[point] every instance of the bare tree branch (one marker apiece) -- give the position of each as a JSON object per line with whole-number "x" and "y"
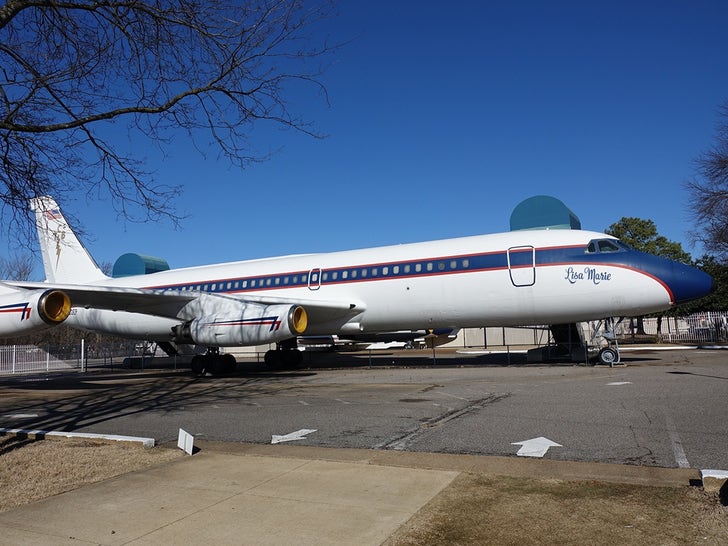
{"x": 69, "y": 71}
{"x": 709, "y": 192}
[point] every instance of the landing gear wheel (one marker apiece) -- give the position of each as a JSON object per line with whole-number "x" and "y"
{"x": 273, "y": 359}
{"x": 283, "y": 359}
{"x": 292, "y": 359}
{"x": 607, "y": 356}
{"x": 229, "y": 363}
{"x": 198, "y": 364}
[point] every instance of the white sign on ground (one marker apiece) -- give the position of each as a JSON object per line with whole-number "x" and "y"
{"x": 185, "y": 441}
{"x": 535, "y": 447}
{"x": 298, "y": 435}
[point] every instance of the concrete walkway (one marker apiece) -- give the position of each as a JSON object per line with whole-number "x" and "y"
{"x": 255, "y": 494}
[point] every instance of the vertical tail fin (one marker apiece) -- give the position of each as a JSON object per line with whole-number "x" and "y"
{"x": 65, "y": 259}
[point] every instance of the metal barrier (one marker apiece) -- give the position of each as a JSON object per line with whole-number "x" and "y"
{"x": 31, "y": 358}
{"x": 19, "y": 359}
{"x": 699, "y": 328}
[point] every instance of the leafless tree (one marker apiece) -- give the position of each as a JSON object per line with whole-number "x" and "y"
{"x": 709, "y": 192}
{"x": 75, "y": 75}
{"x": 17, "y": 268}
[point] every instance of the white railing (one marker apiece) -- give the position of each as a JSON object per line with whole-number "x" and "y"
{"x": 32, "y": 358}
{"x": 19, "y": 359}
{"x": 708, "y": 327}
{"x": 699, "y": 328}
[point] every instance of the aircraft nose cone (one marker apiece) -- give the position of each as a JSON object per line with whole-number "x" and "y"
{"x": 688, "y": 283}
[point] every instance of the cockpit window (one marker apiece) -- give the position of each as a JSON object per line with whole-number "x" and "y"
{"x": 603, "y": 245}
{"x": 608, "y": 246}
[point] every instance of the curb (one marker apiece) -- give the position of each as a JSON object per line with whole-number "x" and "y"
{"x": 40, "y": 434}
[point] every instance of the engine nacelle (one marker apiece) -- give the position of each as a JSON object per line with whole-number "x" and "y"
{"x": 249, "y": 324}
{"x": 123, "y": 324}
{"x": 24, "y": 312}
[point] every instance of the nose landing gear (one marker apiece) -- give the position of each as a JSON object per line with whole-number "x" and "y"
{"x": 609, "y": 355}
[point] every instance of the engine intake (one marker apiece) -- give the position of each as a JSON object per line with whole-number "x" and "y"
{"x": 25, "y": 312}
{"x": 54, "y": 306}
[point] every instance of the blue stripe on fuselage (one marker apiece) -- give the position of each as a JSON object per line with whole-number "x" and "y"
{"x": 681, "y": 281}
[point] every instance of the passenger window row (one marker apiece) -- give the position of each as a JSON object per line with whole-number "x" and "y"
{"x": 331, "y": 276}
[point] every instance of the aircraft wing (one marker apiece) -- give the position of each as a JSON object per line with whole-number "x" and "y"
{"x": 170, "y": 303}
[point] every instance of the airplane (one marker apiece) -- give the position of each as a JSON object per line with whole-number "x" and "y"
{"x": 516, "y": 278}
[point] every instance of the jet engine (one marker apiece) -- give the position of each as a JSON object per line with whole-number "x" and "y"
{"x": 25, "y": 312}
{"x": 247, "y": 324}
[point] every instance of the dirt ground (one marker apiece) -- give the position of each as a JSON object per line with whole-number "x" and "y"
{"x": 474, "y": 509}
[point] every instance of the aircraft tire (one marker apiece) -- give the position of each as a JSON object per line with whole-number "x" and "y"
{"x": 229, "y": 363}
{"x": 292, "y": 359}
{"x": 607, "y": 356}
{"x": 215, "y": 365}
{"x": 273, "y": 359}
{"x": 198, "y": 364}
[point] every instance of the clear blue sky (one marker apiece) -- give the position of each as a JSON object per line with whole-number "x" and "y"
{"x": 443, "y": 117}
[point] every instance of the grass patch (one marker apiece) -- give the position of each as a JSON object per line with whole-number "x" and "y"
{"x": 477, "y": 509}
{"x": 35, "y": 469}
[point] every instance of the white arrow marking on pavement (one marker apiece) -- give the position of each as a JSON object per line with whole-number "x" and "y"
{"x": 298, "y": 435}
{"x": 535, "y": 447}
{"x": 617, "y": 383}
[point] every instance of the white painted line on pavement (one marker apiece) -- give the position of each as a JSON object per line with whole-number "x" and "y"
{"x": 677, "y": 447}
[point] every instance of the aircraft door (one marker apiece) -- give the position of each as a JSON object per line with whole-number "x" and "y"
{"x": 314, "y": 279}
{"x": 522, "y": 265}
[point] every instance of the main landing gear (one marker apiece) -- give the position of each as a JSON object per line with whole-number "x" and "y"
{"x": 213, "y": 362}
{"x": 285, "y": 356}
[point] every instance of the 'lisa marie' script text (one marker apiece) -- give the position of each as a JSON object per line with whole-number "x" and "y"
{"x": 588, "y": 274}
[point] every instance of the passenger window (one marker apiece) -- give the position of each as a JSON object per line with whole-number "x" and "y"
{"x": 430, "y": 267}
{"x": 385, "y": 271}
{"x": 344, "y": 274}
{"x": 418, "y": 268}
{"x": 375, "y": 271}
{"x": 453, "y": 264}
{"x": 407, "y": 268}
{"x": 466, "y": 263}
{"x": 395, "y": 270}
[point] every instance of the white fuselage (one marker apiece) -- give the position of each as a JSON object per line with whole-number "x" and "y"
{"x": 486, "y": 280}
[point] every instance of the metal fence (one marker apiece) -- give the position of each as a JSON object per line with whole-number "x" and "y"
{"x": 699, "y": 328}
{"x": 19, "y": 359}
{"x": 708, "y": 327}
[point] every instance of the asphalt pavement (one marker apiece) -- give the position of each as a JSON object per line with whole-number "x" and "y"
{"x": 365, "y": 444}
